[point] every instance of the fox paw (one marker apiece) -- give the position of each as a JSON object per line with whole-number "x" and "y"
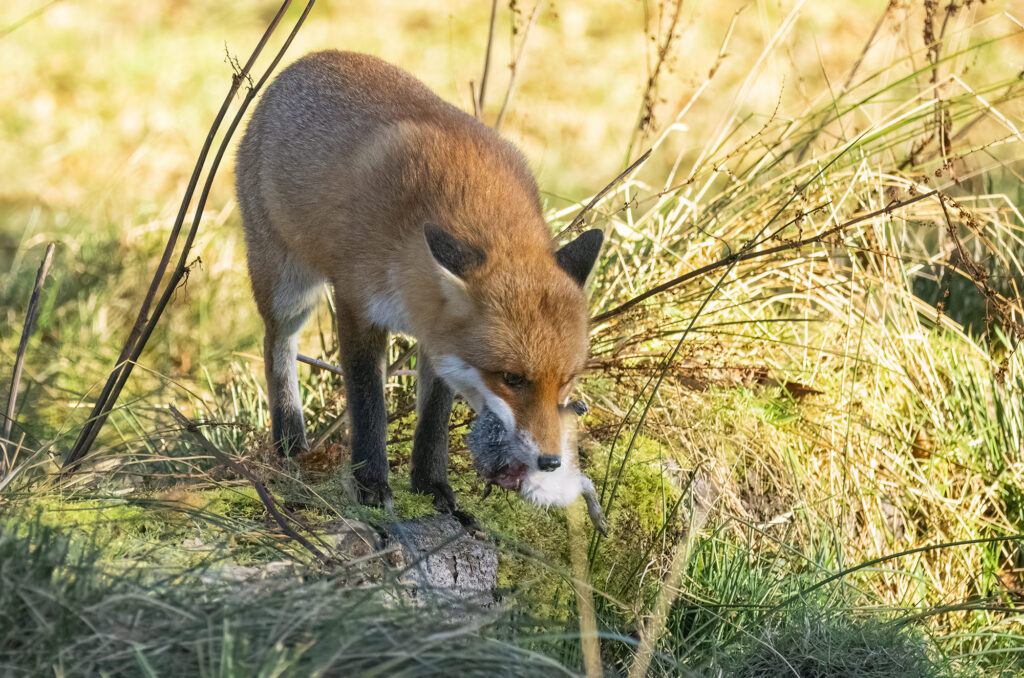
{"x": 375, "y": 494}
{"x": 444, "y": 498}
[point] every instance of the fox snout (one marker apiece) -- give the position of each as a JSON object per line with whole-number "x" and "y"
{"x": 548, "y": 462}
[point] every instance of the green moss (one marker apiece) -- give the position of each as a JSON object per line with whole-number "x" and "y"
{"x": 233, "y": 502}
{"x": 120, "y": 527}
{"x": 179, "y": 528}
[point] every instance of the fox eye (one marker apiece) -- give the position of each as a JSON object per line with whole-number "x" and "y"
{"x": 513, "y": 380}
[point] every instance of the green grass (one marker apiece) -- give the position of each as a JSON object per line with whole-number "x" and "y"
{"x": 757, "y": 434}
{"x": 63, "y": 609}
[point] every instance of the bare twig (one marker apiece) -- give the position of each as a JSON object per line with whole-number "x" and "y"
{"x": 320, "y": 364}
{"x": 646, "y": 115}
{"x": 514, "y": 67}
{"x": 268, "y": 501}
{"x": 19, "y": 361}
{"x": 478, "y": 101}
{"x": 748, "y": 253}
{"x": 146, "y": 322}
{"x": 577, "y": 222}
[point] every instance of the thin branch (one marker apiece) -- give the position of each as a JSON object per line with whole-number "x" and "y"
{"x": 320, "y": 364}
{"x": 145, "y": 323}
{"x": 268, "y": 500}
{"x": 19, "y": 361}
{"x": 517, "y": 61}
{"x": 578, "y": 220}
{"x": 478, "y": 101}
{"x": 748, "y": 253}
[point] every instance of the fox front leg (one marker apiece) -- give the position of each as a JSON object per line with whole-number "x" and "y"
{"x": 430, "y": 442}
{"x": 363, "y": 350}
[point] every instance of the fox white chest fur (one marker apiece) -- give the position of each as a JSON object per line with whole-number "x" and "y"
{"x": 353, "y": 174}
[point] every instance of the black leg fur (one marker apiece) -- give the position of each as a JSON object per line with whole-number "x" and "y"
{"x": 287, "y": 427}
{"x": 288, "y": 430}
{"x": 430, "y": 442}
{"x": 363, "y": 352}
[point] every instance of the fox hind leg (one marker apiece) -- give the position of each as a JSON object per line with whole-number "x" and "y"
{"x": 430, "y": 442}
{"x": 286, "y": 292}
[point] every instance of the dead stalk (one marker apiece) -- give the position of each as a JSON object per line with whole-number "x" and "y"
{"x": 646, "y": 116}
{"x": 478, "y": 101}
{"x": 19, "y": 361}
{"x": 577, "y": 222}
{"x": 516, "y": 64}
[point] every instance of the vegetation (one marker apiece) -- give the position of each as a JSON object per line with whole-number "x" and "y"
{"x": 806, "y": 388}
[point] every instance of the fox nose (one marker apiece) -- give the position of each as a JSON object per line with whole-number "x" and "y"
{"x": 548, "y": 462}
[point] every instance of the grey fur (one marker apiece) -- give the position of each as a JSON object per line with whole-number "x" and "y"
{"x": 594, "y": 508}
{"x": 494, "y": 447}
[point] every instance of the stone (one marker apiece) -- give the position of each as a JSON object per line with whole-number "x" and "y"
{"x": 442, "y": 559}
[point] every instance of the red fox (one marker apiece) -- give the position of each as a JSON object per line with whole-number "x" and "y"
{"x": 353, "y": 173}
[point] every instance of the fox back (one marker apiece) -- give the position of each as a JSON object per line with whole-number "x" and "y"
{"x": 425, "y": 222}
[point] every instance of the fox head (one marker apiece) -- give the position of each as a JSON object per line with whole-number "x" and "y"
{"x": 515, "y": 339}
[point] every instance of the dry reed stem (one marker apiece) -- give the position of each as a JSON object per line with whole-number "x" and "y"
{"x": 589, "y": 639}
{"x": 19, "y": 361}
{"x": 478, "y": 101}
{"x": 576, "y": 224}
{"x": 517, "y": 63}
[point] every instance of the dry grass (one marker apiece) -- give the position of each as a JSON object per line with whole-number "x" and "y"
{"x": 838, "y": 414}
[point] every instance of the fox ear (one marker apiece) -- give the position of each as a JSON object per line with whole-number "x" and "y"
{"x": 578, "y": 257}
{"x": 454, "y": 255}
{"x": 454, "y": 259}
